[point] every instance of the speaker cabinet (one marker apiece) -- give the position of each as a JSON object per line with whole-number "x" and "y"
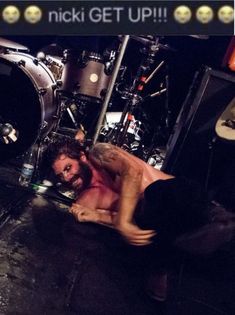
{"x": 193, "y": 150}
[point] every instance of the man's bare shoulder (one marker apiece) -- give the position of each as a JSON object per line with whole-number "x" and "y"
{"x": 102, "y": 153}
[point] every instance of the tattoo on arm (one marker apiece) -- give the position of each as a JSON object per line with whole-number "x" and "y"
{"x": 104, "y": 153}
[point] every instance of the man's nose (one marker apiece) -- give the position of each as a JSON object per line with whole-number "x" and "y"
{"x": 67, "y": 176}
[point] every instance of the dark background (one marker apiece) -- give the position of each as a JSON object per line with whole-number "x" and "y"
{"x": 188, "y": 56}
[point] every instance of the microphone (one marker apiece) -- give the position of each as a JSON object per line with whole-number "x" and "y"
{"x": 8, "y": 134}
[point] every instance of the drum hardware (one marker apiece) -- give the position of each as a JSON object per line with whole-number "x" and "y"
{"x": 58, "y": 84}
{"x": 44, "y": 124}
{"x": 8, "y": 44}
{"x": 158, "y": 93}
{"x": 109, "y": 63}
{"x": 54, "y": 63}
{"x": 41, "y": 56}
{"x": 203, "y": 37}
{"x": 42, "y": 91}
{"x": 134, "y": 133}
{"x": 86, "y": 56}
{"x": 72, "y": 117}
{"x": 156, "y": 158}
{"x": 54, "y": 86}
{"x": 120, "y": 134}
{"x": 35, "y": 61}
{"x": 151, "y": 41}
{"x": 113, "y": 78}
{"x": 8, "y": 134}
{"x": 21, "y": 63}
{"x": 134, "y": 99}
{"x": 66, "y": 104}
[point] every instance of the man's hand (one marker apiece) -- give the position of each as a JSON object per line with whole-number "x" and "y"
{"x": 83, "y": 214}
{"x": 134, "y": 235}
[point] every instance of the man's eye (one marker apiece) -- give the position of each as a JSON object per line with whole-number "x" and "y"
{"x": 68, "y": 167}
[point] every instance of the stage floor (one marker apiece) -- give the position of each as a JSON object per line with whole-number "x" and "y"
{"x": 52, "y": 265}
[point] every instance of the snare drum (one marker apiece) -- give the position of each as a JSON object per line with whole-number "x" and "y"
{"x": 84, "y": 76}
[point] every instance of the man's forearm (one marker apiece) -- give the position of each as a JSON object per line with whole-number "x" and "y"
{"x": 105, "y": 217}
{"x": 99, "y": 216}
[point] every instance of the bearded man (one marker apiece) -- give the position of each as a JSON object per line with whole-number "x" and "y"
{"x": 148, "y": 207}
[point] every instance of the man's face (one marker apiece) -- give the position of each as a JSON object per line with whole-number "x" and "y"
{"x": 75, "y": 173}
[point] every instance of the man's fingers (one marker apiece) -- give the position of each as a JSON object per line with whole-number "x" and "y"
{"x": 141, "y": 243}
{"x": 74, "y": 207}
{"x": 79, "y": 214}
{"x": 136, "y": 236}
{"x": 140, "y": 240}
{"x": 143, "y": 232}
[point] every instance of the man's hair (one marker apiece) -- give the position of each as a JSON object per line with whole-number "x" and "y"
{"x": 65, "y": 145}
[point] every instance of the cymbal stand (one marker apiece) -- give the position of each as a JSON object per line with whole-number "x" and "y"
{"x": 133, "y": 96}
{"x": 116, "y": 69}
{"x": 163, "y": 129}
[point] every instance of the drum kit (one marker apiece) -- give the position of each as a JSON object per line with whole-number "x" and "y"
{"x": 36, "y": 92}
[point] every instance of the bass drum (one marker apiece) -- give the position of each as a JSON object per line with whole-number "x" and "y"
{"x": 27, "y": 100}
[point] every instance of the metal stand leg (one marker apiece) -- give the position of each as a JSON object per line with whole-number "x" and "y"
{"x": 110, "y": 87}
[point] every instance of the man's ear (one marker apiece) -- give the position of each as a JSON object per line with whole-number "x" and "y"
{"x": 83, "y": 157}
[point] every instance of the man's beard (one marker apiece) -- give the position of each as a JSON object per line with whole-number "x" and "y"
{"x": 85, "y": 174}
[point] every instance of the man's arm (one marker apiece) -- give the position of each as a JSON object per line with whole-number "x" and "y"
{"x": 99, "y": 216}
{"x": 118, "y": 162}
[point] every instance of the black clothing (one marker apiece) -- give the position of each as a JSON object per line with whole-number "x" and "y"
{"x": 172, "y": 207}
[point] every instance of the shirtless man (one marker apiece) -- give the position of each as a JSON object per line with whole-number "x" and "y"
{"x": 110, "y": 183}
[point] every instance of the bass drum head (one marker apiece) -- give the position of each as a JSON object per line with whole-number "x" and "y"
{"x": 21, "y": 104}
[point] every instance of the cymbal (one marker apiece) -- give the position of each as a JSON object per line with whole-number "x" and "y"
{"x": 6, "y": 43}
{"x": 225, "y": 126}
{"x": 150, "y": 40}
{"x": 200, "y": 36}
